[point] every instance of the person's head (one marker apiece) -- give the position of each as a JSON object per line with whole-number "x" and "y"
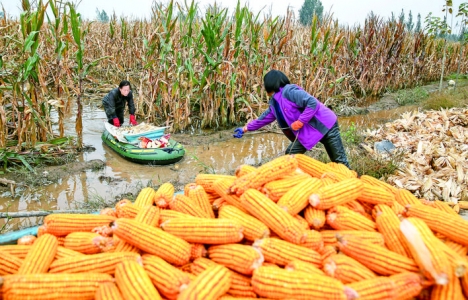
{"x": 125, "y": 87}
{"x": 274, "y": 80}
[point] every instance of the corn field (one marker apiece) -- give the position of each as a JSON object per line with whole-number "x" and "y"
{"x": 190, "y": 69}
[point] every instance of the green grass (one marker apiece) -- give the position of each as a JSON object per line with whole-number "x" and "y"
{"x": 411, "y": 96}
{"x": 456, "y": 97}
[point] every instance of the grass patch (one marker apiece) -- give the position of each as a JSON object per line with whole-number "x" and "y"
{"x": 411, "y": 96}
{"x": 456, "y": 97}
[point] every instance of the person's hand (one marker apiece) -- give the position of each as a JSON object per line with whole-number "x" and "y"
{"x": 116, "y": 122}
{"x": 297, "y": 125}
{"x": 238, "y": 132}
{"x": 133, "y": 120}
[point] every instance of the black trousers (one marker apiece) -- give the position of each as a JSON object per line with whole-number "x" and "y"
{"x": 120, "y": 115}
{"x": 331, "y": 141}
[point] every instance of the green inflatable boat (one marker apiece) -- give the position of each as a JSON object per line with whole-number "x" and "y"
{"x": 153, "y": 156}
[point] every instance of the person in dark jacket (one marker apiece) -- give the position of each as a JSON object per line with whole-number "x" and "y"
{"x": 115, "y": 102}
{"x": 303, "y": 119}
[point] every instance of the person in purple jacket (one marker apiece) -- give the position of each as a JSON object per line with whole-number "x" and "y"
{"x": 303, "y": 119}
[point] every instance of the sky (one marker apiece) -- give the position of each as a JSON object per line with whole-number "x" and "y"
{"x": 350, "y": 12}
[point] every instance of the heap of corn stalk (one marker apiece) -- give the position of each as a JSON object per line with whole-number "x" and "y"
{"x": 293, "y": 228}
{"x": 435, "y": 148}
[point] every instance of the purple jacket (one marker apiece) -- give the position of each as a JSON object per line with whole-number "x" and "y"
{"x": 297, "y": 104}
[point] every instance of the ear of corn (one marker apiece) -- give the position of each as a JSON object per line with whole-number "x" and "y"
{"x": 310, "y": 165}
{"x": 330, "y": 236}
{"x": 282, "y": 252}
{"x": 464, "y": 284}
{"x": 19, "y": 251}
{"x": 222, "y": 189}
{"x": 377, "y": 288}
{"x": 126, "y": 209}
{"x": 244, "y": 169}
{"x": 405, "y": 197}
{"x": 297, "y": 198}
{"x": 148, "y": 215}
{"x": 240, "y": 258}
{"x": 359, "y": 208}
{"x": 460, "y": 249}
{"x": 169, "y": 280}
{"x": 278, "y": 220}
{"x": 451, "y": 290}
{"x": 167, "y": 214}
{"x": 315, "y": 217}
{"x": 408, "y": 285}
{"x": 199, "y": 197}
{"x": 342, "y": 218}
{"x": 346, "y": 269}
{"x": 443, "y": 206}
{"x": 302, "y": 266}
{"x": 278, "y": 283}
{"x": 313, "y": 240}
{"x": 95, "y": 263}
{"x": 123, "y": 246}
{"x": 207, "y": 181}
{"x": 53, "y": 286}
{"x": 145, "y": 197}
{"x": 9, "y": 264}
{"x": 205, "y": 231}
{"x": 108, "y": 291}
{"x": 327, "y": 251}
{"x": 335, "y": 194}
{"x": 376, "y": 182}
{"x": 218, "y": 203}
{"x": 212, "y": 283}
{"x": 198, "y": 250}
{"x": 134, "y": 282}
{"x": 63, "y": 252}
{"x": 272, "y": 170}
{"x": 277, "y": 188}
{"x": 153, "y": 241}
{"x": 63, "y": 224}
{"x": 302, "y": 221}
{"x": 87, "y": 242}
{"x": 253, "y": 228}
{"x": 164, "y": 195}
{"x": 186, "y": 205}
{"x": 40, "y": 256}
{"x": 376, "y": 195}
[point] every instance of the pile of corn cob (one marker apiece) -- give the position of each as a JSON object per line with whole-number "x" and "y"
{"x": 293, "y": 228}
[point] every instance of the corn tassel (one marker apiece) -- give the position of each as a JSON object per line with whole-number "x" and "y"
{"x": 53, "y": 286}
{"x": 186, "y": 205}
{"x": 240, "y": 258}
{"x": 278, "y": 283}
{"x": 310, "y": 165}
{"x": 378, "y": 259}
{"x": 282, "y": 252}
{"x": 9, "y": 264}
{"x": 335, "y": 194}
{"x": 315, "y": 217}
{"x": 153, "y": 241}
{"x": 207, "y": 181}
{"x": 275, "y": 169}
{"x": 40, "y": 256}
{"x": 346, "y": 269}
{"x": 205, "y": 231}
{"x": 279, "y": 221}
{"x": 342, "y": 218}
{"x": 253, "y": 228}
{"x": 96, "y": 263}
{"x": 408, "y": 285}
{"x": 145, "y": 197}
{"x": 302, "y": 266}
{"x": 199, "y": 197}
{"x": 277, "y": 188}
{"x": 377, "y": 288}
{"x": 164, "y": 195}
{"x": 63, "y": 224}
{"x": 297, "y": 198}
{"x": 108, "y": 291}
{"x": 169, "y": 280}
{"x": 134, "y": 282}
{"x": 212, "y": 283}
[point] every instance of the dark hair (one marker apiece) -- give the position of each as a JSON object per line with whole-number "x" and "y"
{"x": 274, "y": 80}
{"x": 124, "y": 83}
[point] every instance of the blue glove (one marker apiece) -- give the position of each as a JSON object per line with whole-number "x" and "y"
{"x": 238, "y": 132}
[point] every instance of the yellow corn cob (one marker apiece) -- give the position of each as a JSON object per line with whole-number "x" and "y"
{"x": 169, "y": 280}
{"x": 359, "y": 208}
{"x": 205, "y": 231}
{"x": 253, "y": 228}
{"x": 198, "y": 250}
{"x": 342, "y": 218}
{"x": 340, "y": 169}
{"x": 315, "y": 217}
{"x": 186, "y": 205}
{"x": 218, "y": 203}
{"x": 207, "y": 181}
{"x": 134, "y": 282}
{"x": 108, "y": 211}
{"x": 398, "y": 209}
{"x": 458, "y": 262}
{"x": 212, "y": 283}
{"x": 405, "y": 197}
{"x": 389, "y": 225}
{"x": 310, "y": 165}
{"x": 452, "y": 290}
{"x": 108, "y": 291}
{"x": 330, "y": 236}
{"x": 240, "y": 258}
{"x": 302, "y": 266}
{"x": 40, "y": 256}
{"x": 95, "y": 263}
{"x": 123, "y": 246}
{"x": 441, "y": 222}
{"x": 63, "y": 252}
{"x": 313, "y": 240}
{"x": 153, "y": 241}
{"x": 282, "y": 252}
{"x": 336, "y": 194}
{"x": 244, "y": 169}
{"x": 63, "y": 224}
{"x": 302, "y": 221}
{"x": 275, "y": 169}
{"x": 297, "y": 198}
{"x": 377, "y": 288}
{"x": 346, "y": 269}
{"x": 53, "y": 286}
{"x": 279, "y": 221}
{"x": 376, "y": 258}
{"x": 278, "y": 283}
{"x": 374, "y": 194}
{"x": 334, "y": 176}
{"x": 188, "y": 186}
{"x": 87, "y": 242}
{"x": 9, "y": 264}
{"x": 460, "y": 249}
{"x": 408, "y": 285}
{"x": 327, "y": 251}
{"x": 148, "y": 215}
{"x": 443, "y": 206}
{"x": 126, "y": 209}
{"x": 145, "y": 197}
{"x": 277, "y": 188}
{"x": 164, "y": 195}
{"x": 327, "y": 181}
{"x": 464, "y": 284}
{"x": 20, "y": 251}
{"x": 222, "y": 189}
{"x": 41, "y": 230}
{"x": 167, "y": 214}
{"x": 376, "y": 182}
{"x": 199, "y": 197}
